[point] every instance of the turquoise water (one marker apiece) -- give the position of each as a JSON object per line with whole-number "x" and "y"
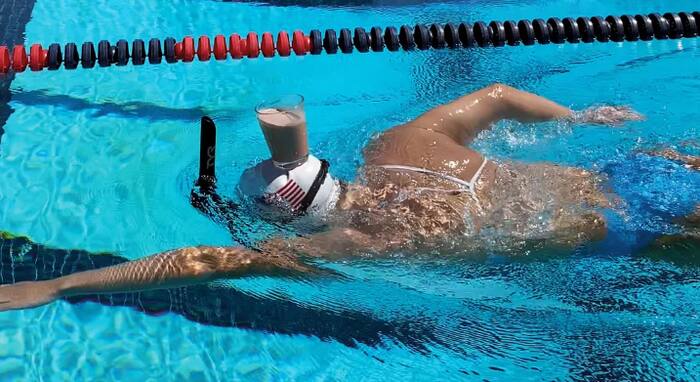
{"x": 103, "y": 160}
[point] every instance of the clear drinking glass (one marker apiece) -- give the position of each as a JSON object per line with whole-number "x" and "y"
{"x": 283, "y": 123}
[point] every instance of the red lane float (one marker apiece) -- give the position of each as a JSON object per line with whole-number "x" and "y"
{"x": 36, "y": 58}
{"x": 19, "y": 58}
{"x": 220, "y": 50}
{"x": 187, "y": 49}
{"x": 244, "y": 47}
{"x": 178, "y": 51}
{"x": 283, "y": 47}
{"x": 234, "y": 45}
{"x": 4, "y": 59}
{"x": 299, "y": 43}
{"x": 203, "y": 49}
{"x": 268, "y": 45}
{"x": 253, "y": 45}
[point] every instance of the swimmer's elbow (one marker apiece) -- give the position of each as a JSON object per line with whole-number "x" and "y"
{"x": 500, "y": 100}
{"x": 498, "y": 88}
{"x": 215, "y": 262}
{"x": 208, "y": 263}
{"x": 501, "y": 94}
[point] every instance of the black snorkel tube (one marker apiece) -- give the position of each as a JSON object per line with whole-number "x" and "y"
{"x": 204, "y": 196}
{"x": 207, "y": 154}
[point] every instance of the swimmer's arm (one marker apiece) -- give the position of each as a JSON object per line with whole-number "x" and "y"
{"x": 464, "y": 118}
{"x": 177, "y": 268}
{"x": 193, "y": 265}
{"x": 339, "y": 243}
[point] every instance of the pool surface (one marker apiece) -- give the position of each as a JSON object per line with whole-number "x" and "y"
{"x": 103, "y": 161}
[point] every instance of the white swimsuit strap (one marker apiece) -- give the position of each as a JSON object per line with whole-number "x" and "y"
{"x": 471, "y": 185}
{"x": 477, "y": 175}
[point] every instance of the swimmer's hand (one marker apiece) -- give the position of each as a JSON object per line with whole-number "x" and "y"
{"x": 689, "y": 161}
{"x": 28, "y": 294}
{"x": 606, "y": 115}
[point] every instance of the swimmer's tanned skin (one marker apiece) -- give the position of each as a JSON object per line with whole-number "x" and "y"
{"x": 387, "y": 211}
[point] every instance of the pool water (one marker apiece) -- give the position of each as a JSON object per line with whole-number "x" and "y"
{"x": 103, "y": 160}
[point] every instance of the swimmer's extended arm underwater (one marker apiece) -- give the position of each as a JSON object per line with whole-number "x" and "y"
{"x": 172, "y": 269}
{"x": 194, "y": 265}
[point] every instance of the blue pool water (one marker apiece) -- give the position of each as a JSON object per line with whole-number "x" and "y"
{"x": 103, "y": 160}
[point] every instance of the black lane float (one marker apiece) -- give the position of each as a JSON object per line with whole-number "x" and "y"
{"x": 422, "y": 37}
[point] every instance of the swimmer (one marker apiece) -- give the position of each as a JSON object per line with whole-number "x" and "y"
{"x": 422, "y": 189}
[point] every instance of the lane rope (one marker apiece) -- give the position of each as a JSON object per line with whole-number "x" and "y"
{"x": 421, "y": 37}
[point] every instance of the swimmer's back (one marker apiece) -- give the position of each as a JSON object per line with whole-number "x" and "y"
{"x": 408, "y": 145}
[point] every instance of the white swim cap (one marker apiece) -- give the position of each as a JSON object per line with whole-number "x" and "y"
{"x": 307, "y": 188}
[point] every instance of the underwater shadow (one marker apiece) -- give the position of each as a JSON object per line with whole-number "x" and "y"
{"x": 141, "y": 110}
{"x": 23, "y": 260}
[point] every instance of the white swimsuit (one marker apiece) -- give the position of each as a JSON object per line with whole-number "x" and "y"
{"x": 464, "y": 185}
{"x": 467, "y": 186}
